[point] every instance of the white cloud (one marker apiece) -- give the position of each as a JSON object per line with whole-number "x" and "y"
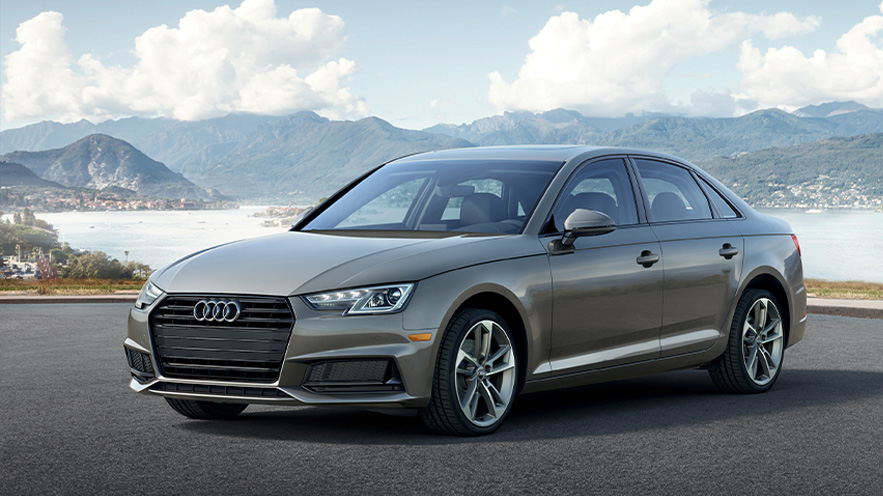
{"x": 616, "y": 62}
{"x": 787, "y": 78}
{"x": 229, "y": 60}
{"x": 39, "y": 77}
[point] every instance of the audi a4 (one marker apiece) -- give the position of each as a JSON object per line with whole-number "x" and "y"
{"x": 447, "y": 283}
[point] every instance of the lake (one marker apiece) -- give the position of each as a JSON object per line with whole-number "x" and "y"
{"x": 837, "y": 245}
{"x": 156, "y": 237}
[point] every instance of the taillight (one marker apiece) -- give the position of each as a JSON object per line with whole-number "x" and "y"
{"x": 796, "y": 244}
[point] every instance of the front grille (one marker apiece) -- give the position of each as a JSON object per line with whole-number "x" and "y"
{"x": 353, "y": 376}
{"x": 219, "y": 390}
{"x": 139, "y": 364}
{"x": 249, "y": 349}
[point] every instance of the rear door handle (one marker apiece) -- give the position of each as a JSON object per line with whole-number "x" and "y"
{"x": 647, "y": 258}
{"x": 728, "y": 251}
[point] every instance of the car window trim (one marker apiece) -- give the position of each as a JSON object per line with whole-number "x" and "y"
{"x": 646, "y": 200}
{"x": 574, "y": 172}
{"x": 706, "y": 186}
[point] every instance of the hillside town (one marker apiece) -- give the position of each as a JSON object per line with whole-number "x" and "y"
{"x": 88, "y": 200}
{"x": 813, "y": 196}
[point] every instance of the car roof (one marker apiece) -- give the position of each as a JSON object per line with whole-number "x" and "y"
{"x": 556, "y": 153}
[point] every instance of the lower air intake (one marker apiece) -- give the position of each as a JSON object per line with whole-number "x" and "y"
{"x": 250, "y": 392}
{"x": 353, "y": 376}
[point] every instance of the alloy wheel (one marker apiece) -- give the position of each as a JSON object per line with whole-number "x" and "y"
{"x": 484, "y": 373}
{"x": 763, "y": 339}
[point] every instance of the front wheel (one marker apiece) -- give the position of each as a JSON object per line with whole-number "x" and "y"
{"x": 753, "y": 358}
{"x": 206, "y": 410}
{"x": 476, "y": 376}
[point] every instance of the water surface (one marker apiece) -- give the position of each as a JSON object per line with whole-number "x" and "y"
{"x": 837, "y": 245}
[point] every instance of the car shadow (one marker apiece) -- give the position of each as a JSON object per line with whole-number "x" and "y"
{"x": 648, "y": 403}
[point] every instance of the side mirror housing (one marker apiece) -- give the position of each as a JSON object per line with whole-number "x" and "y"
{"x": 584, "y": 222}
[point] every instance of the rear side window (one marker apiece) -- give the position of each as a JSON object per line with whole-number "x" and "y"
{"x": 672, "y": 191}
{"x": 726, "y": 211}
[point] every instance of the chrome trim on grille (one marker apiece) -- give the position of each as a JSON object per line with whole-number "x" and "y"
{"x": 249, "y": 349}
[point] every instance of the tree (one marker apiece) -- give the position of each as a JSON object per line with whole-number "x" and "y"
{"x": 139, "y": 270}
{"x": 12, "y": 235}
{"x": 99, "y": 265}
{"x": 27, "y": 217}
{"x": 96, "y": 264}
{"x": 58, "y": 256}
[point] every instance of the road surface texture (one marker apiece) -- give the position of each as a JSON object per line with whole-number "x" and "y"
{"x": 71, "y": 426}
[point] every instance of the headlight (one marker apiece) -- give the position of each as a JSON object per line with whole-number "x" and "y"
{"x": 149, "y": 293}
{"x": 380, "y": 299}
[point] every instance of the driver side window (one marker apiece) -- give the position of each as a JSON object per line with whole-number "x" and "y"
{"x": 603, "y": 186}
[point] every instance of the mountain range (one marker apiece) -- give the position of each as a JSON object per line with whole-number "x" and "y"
{"x": 99, "y": 161}
{"x": 837, "y": 172}
{"x": 303, "y": 156}
{"x": 693, "y": 138}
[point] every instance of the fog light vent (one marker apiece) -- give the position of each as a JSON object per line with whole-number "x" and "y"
{"x": 140, "y": 365}
{"x": 353, "y": 376}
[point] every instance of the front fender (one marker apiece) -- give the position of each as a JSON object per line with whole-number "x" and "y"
{"x": 525, "y": 282}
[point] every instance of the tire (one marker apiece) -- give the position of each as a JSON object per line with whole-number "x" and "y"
{"x": 473, "y": 389}
{"x": 753, "y": 359}
{"x": 206, "y": 410}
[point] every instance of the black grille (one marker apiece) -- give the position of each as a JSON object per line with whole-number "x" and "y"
{"x": 353, "y": 376}
{"x": 139, "y": 363}
{"x": 219, "y": 390}
{"x": 249, "y": 349}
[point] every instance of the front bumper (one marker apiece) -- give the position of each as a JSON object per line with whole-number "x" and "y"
{"x": 316, "y": 337}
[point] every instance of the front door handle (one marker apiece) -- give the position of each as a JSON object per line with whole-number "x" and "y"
{"x": 728, "y": 251}
{"x": 647, "y": 258}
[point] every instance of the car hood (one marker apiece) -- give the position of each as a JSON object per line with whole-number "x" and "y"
{"x": 305, "y": 262}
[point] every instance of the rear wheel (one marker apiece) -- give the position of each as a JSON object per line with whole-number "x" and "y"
{"x": 475, "y": 376}
{"x": 753, "y": 358}
{"x": 206, "y": 410}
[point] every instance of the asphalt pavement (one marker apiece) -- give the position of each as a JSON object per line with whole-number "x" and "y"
{"x": 70, "y": 425}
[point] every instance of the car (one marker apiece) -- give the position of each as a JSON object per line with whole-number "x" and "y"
{"x": 445, "y": 284}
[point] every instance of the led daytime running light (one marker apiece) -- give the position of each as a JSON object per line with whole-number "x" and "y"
{"x": 381, "y": 299}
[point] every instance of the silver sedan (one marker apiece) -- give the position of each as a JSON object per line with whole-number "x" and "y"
{"x": 447, "y": 283}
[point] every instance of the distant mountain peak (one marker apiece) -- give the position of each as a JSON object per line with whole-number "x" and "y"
{"x": 100, "y": 161}
{"x": 829, "y": 109}
{"x": 13, "y": 174}
{"x": 560, "y": 115}
{"x": 306, "y": 116}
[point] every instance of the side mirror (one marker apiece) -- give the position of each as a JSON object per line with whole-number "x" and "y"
{"x": 584, "y": 222}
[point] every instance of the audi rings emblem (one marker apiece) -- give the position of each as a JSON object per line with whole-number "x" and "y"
{"x": 216, "y": 310}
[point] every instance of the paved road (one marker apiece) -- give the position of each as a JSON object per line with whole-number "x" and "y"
{"x": 70, "y": 426}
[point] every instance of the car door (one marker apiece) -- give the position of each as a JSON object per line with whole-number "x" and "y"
{"x": 701, "y": 256}
{"x": 607, "y": 306}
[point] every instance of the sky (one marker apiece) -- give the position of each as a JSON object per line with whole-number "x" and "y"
{"x": 416, "y": 64}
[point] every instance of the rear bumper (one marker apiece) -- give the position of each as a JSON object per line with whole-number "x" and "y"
{"x": 798, "y": 310}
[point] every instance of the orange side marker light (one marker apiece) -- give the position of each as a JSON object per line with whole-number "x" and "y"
{"x": 426, "y": 336}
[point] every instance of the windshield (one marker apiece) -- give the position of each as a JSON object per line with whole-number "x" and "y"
{"x": 475, "y": 196}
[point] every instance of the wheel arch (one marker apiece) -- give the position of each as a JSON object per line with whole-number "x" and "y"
{"x": 768, "y": 281}
{"x": 496, "y": 302}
